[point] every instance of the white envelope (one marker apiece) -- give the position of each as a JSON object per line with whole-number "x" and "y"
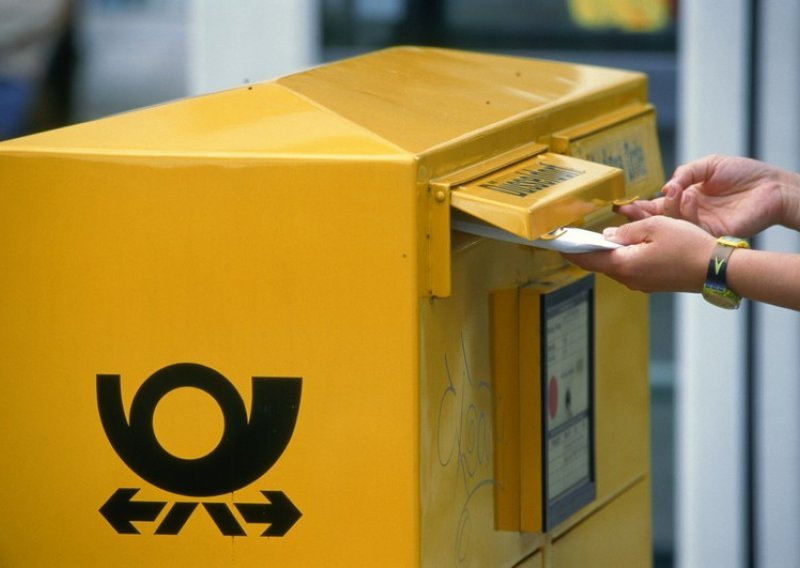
{"x": 564, "y": 239}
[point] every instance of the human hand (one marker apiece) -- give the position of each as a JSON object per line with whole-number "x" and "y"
{"x": 662, "y": 255}
{"x": 726, "y": 196}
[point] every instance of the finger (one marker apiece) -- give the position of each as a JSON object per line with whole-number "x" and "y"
{"x": 689, "y": 207}
{"x": 653, "y": 206}
{"x": 631, "y": 233}
{"x": 591, "y": 261}
{"x": 637, "y": 210}
{"x": 689, "y": 174}
{"x": 684, "y": 178}
{"x": 672, "y": 199}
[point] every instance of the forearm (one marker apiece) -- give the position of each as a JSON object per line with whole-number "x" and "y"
{"x": 769, "y": 277}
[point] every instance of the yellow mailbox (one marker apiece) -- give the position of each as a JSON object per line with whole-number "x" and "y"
{"x": 241, "y": 330}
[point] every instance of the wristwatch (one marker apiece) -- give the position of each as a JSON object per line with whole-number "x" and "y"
{"x": 715, "y": 289}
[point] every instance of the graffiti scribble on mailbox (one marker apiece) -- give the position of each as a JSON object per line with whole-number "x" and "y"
{"x": 463, "y": 440}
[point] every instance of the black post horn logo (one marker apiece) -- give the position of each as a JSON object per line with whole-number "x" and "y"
{"x": 247, "y": 450}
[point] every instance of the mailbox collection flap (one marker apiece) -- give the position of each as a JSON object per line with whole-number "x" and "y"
{"x": 536, "y": 195}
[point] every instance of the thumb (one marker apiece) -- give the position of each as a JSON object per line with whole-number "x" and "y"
{"x": 631, "y": 233}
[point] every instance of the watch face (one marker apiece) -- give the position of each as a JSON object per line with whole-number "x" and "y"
{"x": 734, "y": 242}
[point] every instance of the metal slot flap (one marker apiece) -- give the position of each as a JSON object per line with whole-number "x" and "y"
{"x": 539, "y": 194}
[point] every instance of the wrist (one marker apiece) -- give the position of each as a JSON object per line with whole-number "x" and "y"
{"x": 701, "y": 259}
{"x": 789, "y": 189}
{"x": 716, "y": 288}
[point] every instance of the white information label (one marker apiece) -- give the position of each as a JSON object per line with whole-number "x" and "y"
{"x": 568, "y": 395}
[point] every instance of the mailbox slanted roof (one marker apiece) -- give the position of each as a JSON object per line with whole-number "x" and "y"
{"x": 422, "y": 98}
{"x": 394, "y": 102}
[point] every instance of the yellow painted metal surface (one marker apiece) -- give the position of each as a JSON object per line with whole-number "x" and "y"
{"x": 253, "y": 121}
{"x": 598, "y": 540}
{"x": 633, "y": 145}
{"x": 398, "y": 95}
{"x": 122, "y": 268}
{"x": 504, "y": 314}
{"x": 460, "y": 402}
{"x": 457, "y": 401}
{"x": 281, "y": 255}
{"x": 534, "y": 561}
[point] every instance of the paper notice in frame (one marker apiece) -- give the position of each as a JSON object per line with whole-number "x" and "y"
{"x": 553, "y": 400}
{"x": 567, "y": 376}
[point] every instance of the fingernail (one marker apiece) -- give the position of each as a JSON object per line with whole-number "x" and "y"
{"x": 609, "y": 232}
